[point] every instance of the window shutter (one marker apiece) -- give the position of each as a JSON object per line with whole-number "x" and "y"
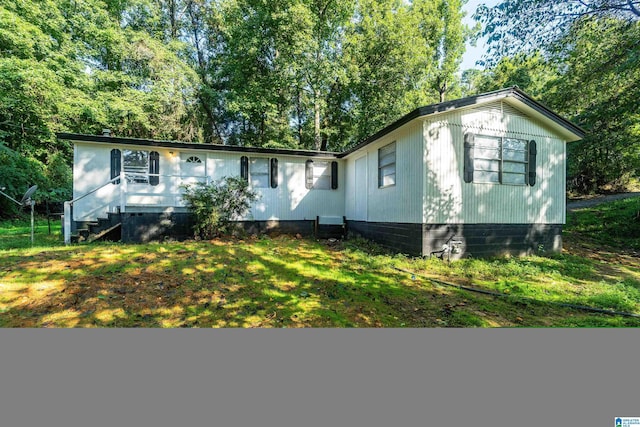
{"x": 116, "y": 164}
{"x": 308, "y": 174}
{"x": 334, "y": 175}
{"x": 274, "y": 173}
{"x": 533, "y": 154}
{"x": 244, "y": 168}
{"x": 468, "y": 157}
{"x": 154, "y": 168}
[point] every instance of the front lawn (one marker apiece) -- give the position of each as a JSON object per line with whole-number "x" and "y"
{"x": 288, "y": 282}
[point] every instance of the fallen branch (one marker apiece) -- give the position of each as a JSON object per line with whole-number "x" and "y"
{"x": 502, "y": 295}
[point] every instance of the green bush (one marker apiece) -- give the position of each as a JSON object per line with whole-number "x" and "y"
{"x": 19, "y": 172}
{"x": 217, "y": 204}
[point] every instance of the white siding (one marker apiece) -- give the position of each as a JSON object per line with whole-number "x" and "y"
{"x": 289, "y": 201}
{"x": 429, "y": 186}
{"x": 448, "y": 199}
{"x": 91, "y": 166}
{"x": 401, "y": 203}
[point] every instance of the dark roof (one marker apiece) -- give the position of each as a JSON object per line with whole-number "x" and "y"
{"x": 192, "y": 146}
{"x": 441, "y": 107}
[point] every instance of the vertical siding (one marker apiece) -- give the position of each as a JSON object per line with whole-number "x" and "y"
{"x": 289, "y": 201}
{"x": 356, "y": 188}
{"x": 401, "y": 203}
{"x": 350, "y": 187}
{"x": 448, "y": 199}
{"x": 91, "y": 169}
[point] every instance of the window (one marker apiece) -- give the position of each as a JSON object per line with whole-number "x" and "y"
{"x": 141, "y": 167}
{"x": 321, "y": 175}
{"x": 193, "y": 159}
{"x": 136, "y": 166}
{"x": 499, "y": 160}
{"x": 192, "y": 168}
{"x": 387, "y": 165}
{"x": 259, "y": 172}
{"x": 514, "y": 161}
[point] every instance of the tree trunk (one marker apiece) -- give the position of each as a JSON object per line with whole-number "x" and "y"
{"x": 172, "y": 19}
{"x": 443, "y": 91}
{"x": 299, "y": 113}
{"x": 316, "y": 124}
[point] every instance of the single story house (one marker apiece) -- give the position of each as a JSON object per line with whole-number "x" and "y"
{"x": 483, "y": 175}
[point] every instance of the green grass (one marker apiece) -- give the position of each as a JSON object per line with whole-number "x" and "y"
{"x": 16, "y": 234}
{"x": 287, "y": 282}
{"x": 615, "y": 224}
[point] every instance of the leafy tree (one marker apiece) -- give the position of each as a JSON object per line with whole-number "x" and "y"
{"x": 599, "y": 89}
{"x": 581, "y": 58}
{"x": 442, "y": 29}
{"x": 216, "y": 205}
{"x": 261, "y": 62}
{"x": 388, "y": 61}
{"x": 514, "y": 26}
{"x": 288, "y": 73}
{"x": 17, "y": 174}
{"x": 530, "y": 72}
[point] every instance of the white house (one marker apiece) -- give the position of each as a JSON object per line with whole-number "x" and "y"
{"x": 484, "y": 174}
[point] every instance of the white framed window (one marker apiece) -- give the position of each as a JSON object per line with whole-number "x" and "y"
{"x": 321, "y": 175}
{"x": 141, "y": 167}
{"x": 515, "y": 159}
{"x": 387, "y": 165}
{"x": 136, "y": 166}
{"x": 486, "y": 159}
{"x": 193, "y": 159}
{"x": 259, "y": 172}
{"x": 499, "y": 160}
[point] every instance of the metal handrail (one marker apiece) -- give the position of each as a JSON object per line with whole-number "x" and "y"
{"x": 71, "y": 202}
{"x": 123, "y": 189}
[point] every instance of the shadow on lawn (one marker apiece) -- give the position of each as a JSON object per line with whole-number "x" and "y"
{"x": 279, "y": 282}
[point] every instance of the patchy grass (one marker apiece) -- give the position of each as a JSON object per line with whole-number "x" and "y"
{"x": 287, "y": 282}
{"x": 17, "y": 234}
{"x": 615, "y": 224}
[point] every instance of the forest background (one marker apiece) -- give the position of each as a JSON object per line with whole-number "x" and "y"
{"x": 315, "y": 74}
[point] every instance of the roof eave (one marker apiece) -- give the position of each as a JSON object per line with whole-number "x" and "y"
{"x": 100, "y": 139}
{"x": 567, "y": 129}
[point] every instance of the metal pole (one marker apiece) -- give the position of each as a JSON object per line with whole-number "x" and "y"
{"x": 9, "y": 197}
{"x": 32, "y": 221}
{"x": 67, "y": 223}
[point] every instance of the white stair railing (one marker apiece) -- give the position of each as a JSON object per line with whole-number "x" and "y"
{"x": 69, "y": 204}
{"x": 123, "y": 187}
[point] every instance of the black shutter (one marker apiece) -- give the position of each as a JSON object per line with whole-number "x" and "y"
{"x": 116, "y": 164}
{"x": 308, "y": 174}
{"x": 468, "y": 157}
{"x": 334, "y": 175}
{"x": 533, "y": 154}
{"x": 274, "y": 173}
{"x": 244, "y": 168}
{"x": 154, "y": 168}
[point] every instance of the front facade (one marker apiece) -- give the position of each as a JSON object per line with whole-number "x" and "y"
{"x": 484, "y": 175}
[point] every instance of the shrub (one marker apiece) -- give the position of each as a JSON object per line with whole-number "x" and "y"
{"x": 17, "y": 174}
{"x": 217, "y": 204}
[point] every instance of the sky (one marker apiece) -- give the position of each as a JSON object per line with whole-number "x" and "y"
{"x": 473, "y": 54}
